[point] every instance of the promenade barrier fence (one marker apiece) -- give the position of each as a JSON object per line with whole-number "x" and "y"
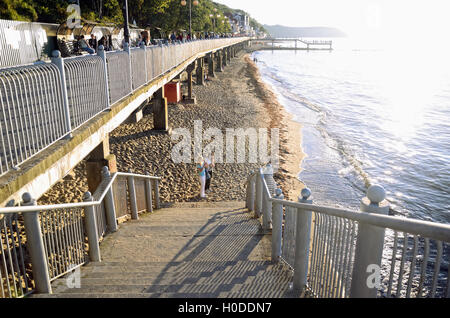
{"x": 41, "y": 104}
{"x": 336, "y": 253}
{"x": 40, "y": 243}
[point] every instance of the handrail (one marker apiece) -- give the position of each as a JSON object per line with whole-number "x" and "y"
{"x": 34, "y": 208}
{"x": 433, "y": 230}
{"x": 333, "y": 250}
{"x": 437, "y": 231}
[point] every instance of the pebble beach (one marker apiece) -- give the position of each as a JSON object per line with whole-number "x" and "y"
{"x": 235, "y": 98}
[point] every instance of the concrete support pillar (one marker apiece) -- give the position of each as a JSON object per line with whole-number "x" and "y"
{"x": 200, "y": 72}
{"x": 228, "y": 54}
{"x": 224, "y": 57}
{"x": 211, "y": 65}
{"x": 98, "y": 158}
{"x": 219, "y": 62}
{"x": 160, "y": 114}
{"x": 190, "y": 99}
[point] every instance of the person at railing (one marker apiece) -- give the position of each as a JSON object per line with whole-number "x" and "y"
{"x": 201, "y": 171}
{"x": 104, "y": 41}
{"x": 84, "y": 46}
{"x": 173, "y": 37}
{"x": 145, "y": 38}
{"x": 93, "y": 43}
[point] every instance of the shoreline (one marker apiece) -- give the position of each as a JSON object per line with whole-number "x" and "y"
{"x": 235, "y": 98}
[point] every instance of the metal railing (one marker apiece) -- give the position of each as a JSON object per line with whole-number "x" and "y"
{"x": 344, "y": 253}
{"x": 39, "y": 244}
{"x": 43, "y": 103}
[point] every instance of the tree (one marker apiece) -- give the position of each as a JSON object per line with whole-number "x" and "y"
{"x": 19, "y": 10}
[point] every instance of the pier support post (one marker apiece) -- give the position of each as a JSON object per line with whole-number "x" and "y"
{"x": 211, "y": 65}
{"x": 98, "y": 158}
{"x": 302, "y": 243}
{"x": 200, "y": 73}
{"x": 35, "y": 246}
{"x": 90, "y": 224}
{"x": 219, "y": 62}
{"x": 160, "y": 113}
{"x": 190, "y": 99}
{"x": 229, "y": 54}
{"x": 224, "y": 57}
{"x": 277, "y": 224}
{"x": 109, "y": 204}
{"x": 369, "y": 245}
{"x": 258, "y": 195}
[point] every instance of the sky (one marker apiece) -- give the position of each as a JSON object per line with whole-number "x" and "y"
{"x": 392, "y": 18}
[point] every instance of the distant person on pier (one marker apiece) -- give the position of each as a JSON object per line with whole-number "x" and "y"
{"x": 201, "y": 171}
{"x": 104, "y": 41}
{"x": 173, "y": 37}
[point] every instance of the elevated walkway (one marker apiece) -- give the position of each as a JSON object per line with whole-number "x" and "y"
{"x": 188, "y": 250}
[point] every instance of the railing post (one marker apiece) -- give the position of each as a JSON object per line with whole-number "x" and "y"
{"x": 109, "y": 203}
{"x": 302, "y": 243}
{"x": 277, "y": 219}
{"x": 145, "y": 61}
{"x": 59, "y": 63}
{"x": 258, "y": 196}
{"x": 132, "y": 192}
{"x": 251, "y": 206}
{"x": 102, "y": 54}
{"x": 90, "y": 223}
{"x": 271, "y": 186}
{"x": 148, "y": 194}
{"x": 369, "y": 246}
{"x": 265, "y": 208}
{"x": 35, "y": 246}
{"x": 157, "y": 203}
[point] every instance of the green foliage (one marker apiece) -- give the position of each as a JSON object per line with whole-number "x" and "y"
{"x": 169, "y": 15}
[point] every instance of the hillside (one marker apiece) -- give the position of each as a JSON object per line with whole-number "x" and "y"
{"x": 280, "y": 31}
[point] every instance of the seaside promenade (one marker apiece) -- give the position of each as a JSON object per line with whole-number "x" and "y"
{"x": 189, "y": 250}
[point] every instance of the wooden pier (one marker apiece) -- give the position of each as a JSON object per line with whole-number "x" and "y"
{"x": 310, "y": 44}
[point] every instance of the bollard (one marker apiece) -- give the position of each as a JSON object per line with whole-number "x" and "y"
{"x": 302, "y": 243}
{"x": 148, "y": 194}
{"x": 35, "y": 246}
{"x": 59, "y": 63}
{"x": 277, "y": 231}
{"x": 102, "y": 54}
{"x": 369, "y": 244}
{"x": 90, "y": 224}
{"x": 109, "y": 203}
{"x": 265, "y": 207}
{"x": 132, "y": 192}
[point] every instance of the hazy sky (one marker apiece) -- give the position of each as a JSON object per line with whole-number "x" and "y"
{"x": 355, "y": 17}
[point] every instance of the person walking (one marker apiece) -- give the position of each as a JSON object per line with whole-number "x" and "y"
{"x": 201, "y": 171}
{"x": 209, "y": 172}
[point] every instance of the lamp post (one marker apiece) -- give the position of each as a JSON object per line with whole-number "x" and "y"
{"x": 126, "y": 31}
{"x": 195, "y": 3}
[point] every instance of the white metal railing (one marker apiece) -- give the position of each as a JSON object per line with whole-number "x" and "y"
{"x": 38, "y": 244}
{"x": 343, "y": 253}
{"x": 43, "y": 103}
{"x": 32, "y": 113}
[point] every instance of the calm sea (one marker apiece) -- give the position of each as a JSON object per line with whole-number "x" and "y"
{"x": 370, "y": 116}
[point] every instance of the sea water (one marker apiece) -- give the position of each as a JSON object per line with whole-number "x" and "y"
{"x": 370, "y": 116}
